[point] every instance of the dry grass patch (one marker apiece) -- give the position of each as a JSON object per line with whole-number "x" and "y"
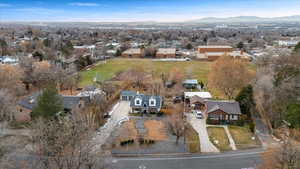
{"x": 243, "y": 138}
{"x": 218, "y": 137}
{"x": 192, "y": 140}
{"x": 156, "y": 130}
{"x": 128, "y": 131}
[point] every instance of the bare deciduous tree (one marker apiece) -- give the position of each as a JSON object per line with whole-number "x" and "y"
{"x": 176, "y": 123}
{"x": 10, "y": 79}
{"x": 7, "y": 107}
{"x": 286, "y": 156}
{"x": 229, "y": 75}
{"x": 66, "y": 143}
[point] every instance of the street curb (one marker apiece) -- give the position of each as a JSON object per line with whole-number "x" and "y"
{"x": 161, "y": 155}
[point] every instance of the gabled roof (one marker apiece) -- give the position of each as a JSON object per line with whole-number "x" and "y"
{"x": 68, "y": 101}
{"x": 195, "y": 99}
{"x": 145, "y": 100}
{"x": 230, "y": 107}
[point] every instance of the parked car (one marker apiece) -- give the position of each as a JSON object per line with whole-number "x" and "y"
{"x": 198, "y": 114}
{"x": 177, "y": 99}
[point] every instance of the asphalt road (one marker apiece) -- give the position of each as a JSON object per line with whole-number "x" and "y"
{"x": 232, "y": 160}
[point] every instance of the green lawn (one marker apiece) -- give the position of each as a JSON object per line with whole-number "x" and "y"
{"x": 243, "y": 137}
{"x": 219, "y": 134}
{"x": 199, "y": 70}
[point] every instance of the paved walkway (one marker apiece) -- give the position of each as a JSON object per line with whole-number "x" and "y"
{"x": 119, "y": 113}
{"x": 200, "y": 126}
{"x": 231, "y": 141}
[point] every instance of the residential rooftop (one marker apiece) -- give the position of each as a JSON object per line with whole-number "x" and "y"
{"x": 133, "y": 51}
{"x": 215, "y": 46}
{"x": 165, "y": 51}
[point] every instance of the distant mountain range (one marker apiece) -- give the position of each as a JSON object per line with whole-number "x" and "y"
{"x": 295, "y": 18}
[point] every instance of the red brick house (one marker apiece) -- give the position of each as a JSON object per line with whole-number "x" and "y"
{"x": 219, "y": 112}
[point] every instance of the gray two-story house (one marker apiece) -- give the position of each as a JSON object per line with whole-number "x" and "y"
{"x": 141, "y": 103}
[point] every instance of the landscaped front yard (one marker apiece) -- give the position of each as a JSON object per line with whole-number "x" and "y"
{"x": 218, "y": 137}
{"x": 243, "y": 138}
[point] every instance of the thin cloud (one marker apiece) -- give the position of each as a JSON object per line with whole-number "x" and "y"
{"x": 5, "y": 5}
{"x": 83, "y": 4}
{"x": 40, "y": 11}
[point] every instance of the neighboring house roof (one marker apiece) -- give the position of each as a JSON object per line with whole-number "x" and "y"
{"x": 165, "y": 51}
{"x": 145, "y": 101}
{"x": 132, "y": 51}
{"x": 204, "y": 95}
{"x": 8, "y": 59}
{"x": 30, "y": 101}
{"x": 68, "y": 101}
{"x": 191, "y": 81}
{"x": 128, "y": 93}
{"x": 195, "y": 99}
{"x": 215, "y": 46}
{"x": 230, "y": 107}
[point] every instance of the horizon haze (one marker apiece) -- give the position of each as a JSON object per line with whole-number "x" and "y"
{"x": 142, "y": 10}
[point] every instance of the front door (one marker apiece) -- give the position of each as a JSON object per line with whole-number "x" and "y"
{"x": 145, "y": 108}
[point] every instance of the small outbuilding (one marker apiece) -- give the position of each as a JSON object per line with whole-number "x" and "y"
{"x": 127, "y": 95}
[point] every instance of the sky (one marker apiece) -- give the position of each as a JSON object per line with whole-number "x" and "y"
{"x": 141, "y": 10}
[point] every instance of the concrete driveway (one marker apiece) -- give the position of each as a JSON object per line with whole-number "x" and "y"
{"x": 119, "y": 113}
{"x": 200, "y": 126}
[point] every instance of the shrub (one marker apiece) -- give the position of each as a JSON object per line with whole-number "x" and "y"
{"x": 159, "y": 114}
{"x": 141, "y": 141}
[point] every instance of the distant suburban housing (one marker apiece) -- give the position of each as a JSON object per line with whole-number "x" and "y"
{"x": 8, "y": 60}
{"x": 166, "y": 53}
{"x": 220, "y": 111}
{"x": 288, "y": 41}
{"x": 212, "y": 53}
{"x": 133, "y": 53}
{"x": 190, "y": 83}
{"x": 141, "y": 103}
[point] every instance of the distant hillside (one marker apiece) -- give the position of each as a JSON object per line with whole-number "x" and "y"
{"x": 295, "y": 18}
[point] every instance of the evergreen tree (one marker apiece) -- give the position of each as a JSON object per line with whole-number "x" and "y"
{"x": 49, "y": 103}
{"x": 240, "y": 45}
{"x": 293, "y": 115}
{"x": 297, "y": 48}
{"x": 246, "y": 101}
{"x": 189, "y": 46}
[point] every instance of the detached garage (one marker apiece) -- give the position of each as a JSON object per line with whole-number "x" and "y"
{"x": 127, "y": 95}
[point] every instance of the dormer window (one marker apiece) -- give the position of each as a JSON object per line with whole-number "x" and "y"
{"x": 152, "y": 102}
{"x": 138, "y": 102}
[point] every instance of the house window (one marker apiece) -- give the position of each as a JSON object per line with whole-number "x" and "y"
{"x": 214, "y": 116}
{"x": 138, "y": 102}
{"x": 152, "y": 102}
